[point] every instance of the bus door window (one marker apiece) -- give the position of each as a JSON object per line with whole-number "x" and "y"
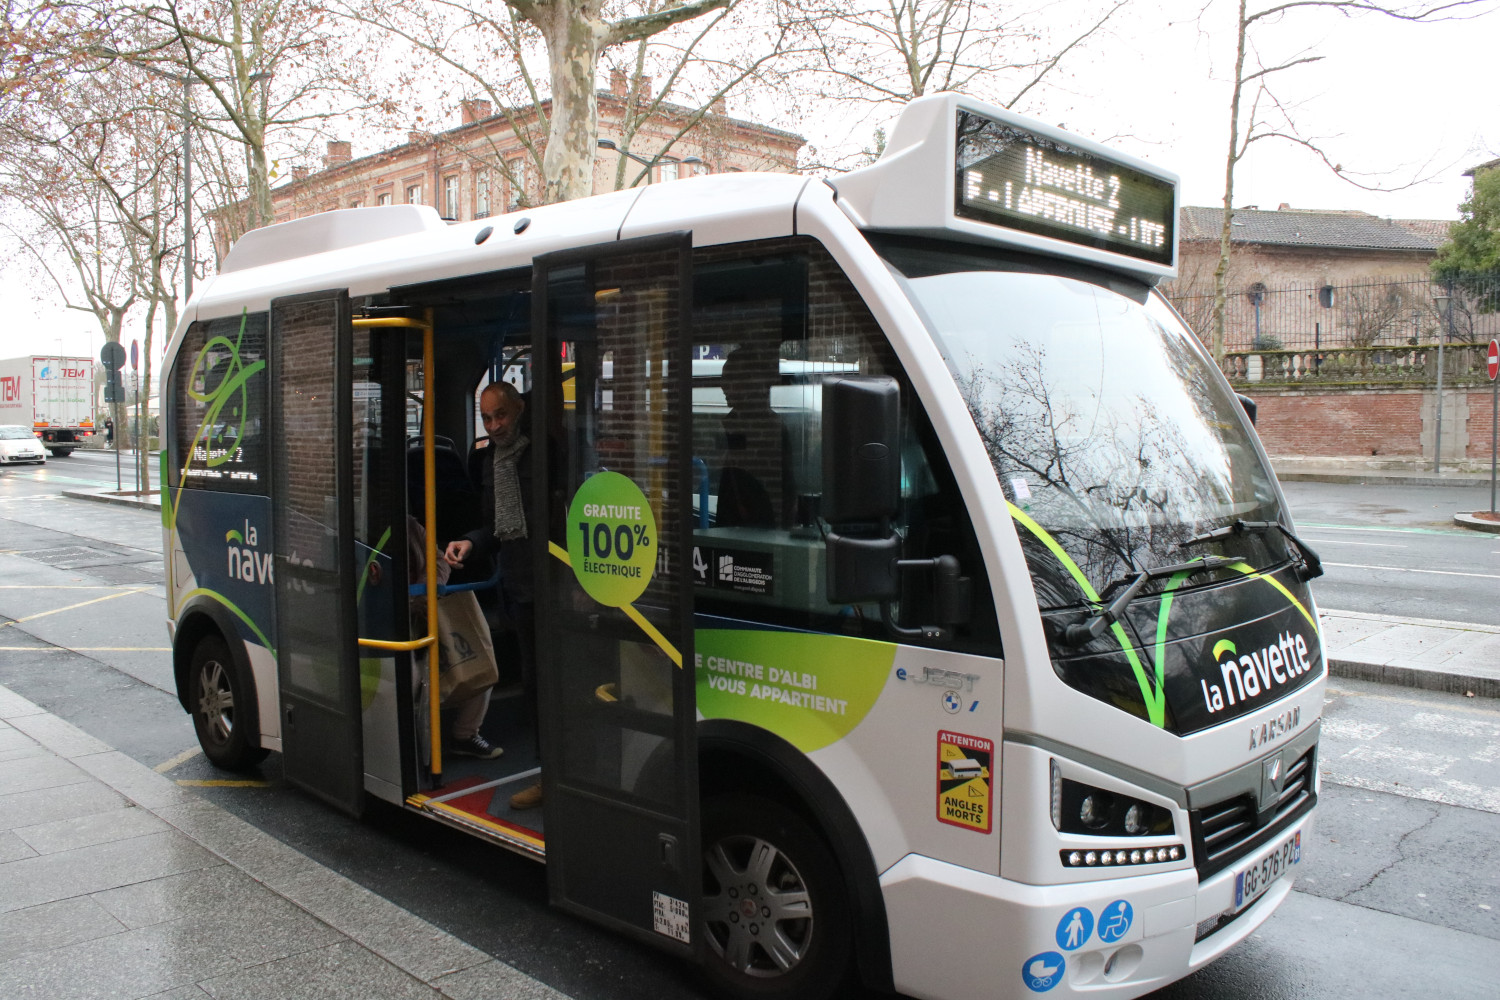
{"x": 772, "y": 322}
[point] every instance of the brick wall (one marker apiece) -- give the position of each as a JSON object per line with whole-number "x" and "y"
{"x": 1378, "y": 423}
{"x": 1481, "y": 410}
{"x": 1343, "y": 424}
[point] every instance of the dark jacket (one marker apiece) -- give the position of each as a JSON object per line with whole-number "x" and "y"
{"x": 516, "y": 570}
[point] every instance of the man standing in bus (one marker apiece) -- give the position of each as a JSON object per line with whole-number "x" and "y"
{"x": 505, "y": 477}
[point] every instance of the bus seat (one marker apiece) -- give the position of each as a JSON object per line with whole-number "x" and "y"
{"x": 458, "y": 501}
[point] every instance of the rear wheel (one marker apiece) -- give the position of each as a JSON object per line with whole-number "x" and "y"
{"x": 223, "y": 706}
{"x": 775, "y": 912}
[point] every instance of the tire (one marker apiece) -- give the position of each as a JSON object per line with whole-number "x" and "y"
{"x": 222, "y": 703}
{"x": 775, "y": 919}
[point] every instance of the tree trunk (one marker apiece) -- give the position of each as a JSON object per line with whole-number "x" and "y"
{"x": 1221, "y": 272}
{"x": 574, "y": 34}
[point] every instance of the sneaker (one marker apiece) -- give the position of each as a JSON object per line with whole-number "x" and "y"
{"x": 527, "y": 798}
{"x": 475, "y": 746}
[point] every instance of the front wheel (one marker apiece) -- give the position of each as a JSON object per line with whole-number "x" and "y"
{"x": 222, "y": 704}
{"x": 775, "y": 911}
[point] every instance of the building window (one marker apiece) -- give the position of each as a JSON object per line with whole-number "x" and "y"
{"x": 482, "y": 194}
{"x": 450, "y": 196}
{"x": 356, "y": 203}
{"x": 668, "y": 170}
{"x": 383, "y": 199}
{"x": 414, "y": 194}
{"x": 700, "y": 169}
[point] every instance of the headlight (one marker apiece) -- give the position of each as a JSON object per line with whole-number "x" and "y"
{"x": 1080, "y": 808}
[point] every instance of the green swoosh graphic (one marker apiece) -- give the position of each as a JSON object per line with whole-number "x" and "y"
{"x": 1155, "y": 701}
{"x": 230, "y": 605}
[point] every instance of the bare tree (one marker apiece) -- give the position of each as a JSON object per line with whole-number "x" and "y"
{"x": 1370, "y": 312}
{"x": 1257, "y": 112}
{"x": 96, "y": 206}
{"x": 880, "y": 53}
{"x": 491, "y": 46}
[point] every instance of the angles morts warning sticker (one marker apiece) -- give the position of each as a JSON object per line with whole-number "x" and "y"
{"x": 964, "y": 781}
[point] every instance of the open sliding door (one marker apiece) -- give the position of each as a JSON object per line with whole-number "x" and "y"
{"x": 313, "y": 538}
{"x": 614, "y": 599}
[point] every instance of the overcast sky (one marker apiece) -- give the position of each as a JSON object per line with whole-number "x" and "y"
{"x": 1392, "y": 98}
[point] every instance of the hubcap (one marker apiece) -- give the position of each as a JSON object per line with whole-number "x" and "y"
{"x": 758, "y": 911}
{"x": 215, "y": 701}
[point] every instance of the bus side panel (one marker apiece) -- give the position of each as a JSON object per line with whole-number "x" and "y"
{"x": 219, "y": 548}
{"x": 909, "y": 736}
{"x": 922, "y": 771}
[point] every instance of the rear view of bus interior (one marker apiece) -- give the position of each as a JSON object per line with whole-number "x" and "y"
{"x": 770, "y": 322}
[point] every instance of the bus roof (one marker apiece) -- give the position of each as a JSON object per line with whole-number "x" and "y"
{"x": 1064, "y": 208}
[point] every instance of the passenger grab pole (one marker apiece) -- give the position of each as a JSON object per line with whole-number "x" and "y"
{"x": 429, "y": 523}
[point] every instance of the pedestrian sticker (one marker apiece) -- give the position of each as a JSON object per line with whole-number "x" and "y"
{"x": 964, "y": 781}
{"x": 611, "y": 539}
{"x": 1114, "y": 921}
{"x": 1044, "y": 971}
{"x": 1074, "y": 928}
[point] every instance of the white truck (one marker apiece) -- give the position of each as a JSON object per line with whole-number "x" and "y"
{"x": 51, "y": 395}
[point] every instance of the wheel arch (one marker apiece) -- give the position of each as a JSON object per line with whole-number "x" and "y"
{"x": 736, "y": 756}
{"x": 202, "y": 616}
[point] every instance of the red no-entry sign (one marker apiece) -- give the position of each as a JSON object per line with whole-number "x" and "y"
{"x": 1494, "y": 358}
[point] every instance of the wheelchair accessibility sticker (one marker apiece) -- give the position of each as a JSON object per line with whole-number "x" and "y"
{"x": 1074, "y": 928}
{"x": 964, "y": 795}
{"x": 1044, "y": 971}
{"x": 1114, "y": 921}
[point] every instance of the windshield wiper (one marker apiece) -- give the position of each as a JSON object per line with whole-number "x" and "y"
{"x": 1089, "y": 629}
{"x": 1309, "y": 566}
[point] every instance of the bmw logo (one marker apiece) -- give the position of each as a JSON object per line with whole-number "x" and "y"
{"x": 952, "y": 702}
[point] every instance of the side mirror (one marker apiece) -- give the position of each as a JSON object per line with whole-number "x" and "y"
{"x": 861, "y": 449}
{"x": 1248, "y": 404}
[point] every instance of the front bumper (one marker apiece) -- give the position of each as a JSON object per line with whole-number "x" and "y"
{"x": 957, "y": 934}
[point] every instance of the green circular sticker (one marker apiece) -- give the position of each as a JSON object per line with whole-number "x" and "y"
{"x": 612, "y": 539}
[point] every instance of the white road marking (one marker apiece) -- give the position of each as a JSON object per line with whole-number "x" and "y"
{"x": 1436, "y": 722}
{"x": 1407, "y": 569}
{"x": 1345, "y": 541}
{"x": 1431, "y": 764}
{"x": 1349, "y": 730}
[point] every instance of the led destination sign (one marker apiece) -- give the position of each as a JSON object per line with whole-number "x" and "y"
{"x": 1008, "y": 176}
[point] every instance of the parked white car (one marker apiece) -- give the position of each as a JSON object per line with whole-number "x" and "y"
{"x": 19, "y": 444}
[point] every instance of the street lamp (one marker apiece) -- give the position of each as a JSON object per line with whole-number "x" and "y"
{"x": 648, "y": 164}
{"x": 1444, "y": 302}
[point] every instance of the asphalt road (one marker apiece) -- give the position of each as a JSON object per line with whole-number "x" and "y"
{"x": 1394, "y": 550}
{"x": 1397, "y": 893}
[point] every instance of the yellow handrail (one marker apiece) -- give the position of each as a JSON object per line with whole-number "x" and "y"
{"x": 429, "y": 491}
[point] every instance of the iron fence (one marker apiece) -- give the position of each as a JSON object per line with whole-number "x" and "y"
{"x": 1365, "y": 333}
{"x": 1393, "y": 313}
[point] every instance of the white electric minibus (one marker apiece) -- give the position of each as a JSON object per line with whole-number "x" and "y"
{"x": 908, "y": 596}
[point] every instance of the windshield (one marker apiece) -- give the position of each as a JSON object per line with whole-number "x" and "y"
{"x": 1112, "y": 434}
{"x": 16, "y": 433}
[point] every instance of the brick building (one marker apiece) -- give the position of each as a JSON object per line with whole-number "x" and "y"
{"x": 483, "y": 167}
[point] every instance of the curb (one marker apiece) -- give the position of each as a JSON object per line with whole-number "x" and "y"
{"x": 1375, "y": 478}
{"x": 127, "y": 499}
{"x": 1477, "y": 523}
{"x": 1424, "y": 679}
{"x": 432, "y": 957}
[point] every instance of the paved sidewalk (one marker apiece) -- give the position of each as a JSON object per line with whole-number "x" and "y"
{"x": 1413, "y": 652}
{"x": 115, "y": 882}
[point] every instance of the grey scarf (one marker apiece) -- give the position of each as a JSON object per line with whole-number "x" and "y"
{"x": 510, "y": 513}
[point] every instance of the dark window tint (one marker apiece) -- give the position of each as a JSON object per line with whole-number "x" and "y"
{"x": 218, "y": 399}
{"x": 772, "y": 323}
